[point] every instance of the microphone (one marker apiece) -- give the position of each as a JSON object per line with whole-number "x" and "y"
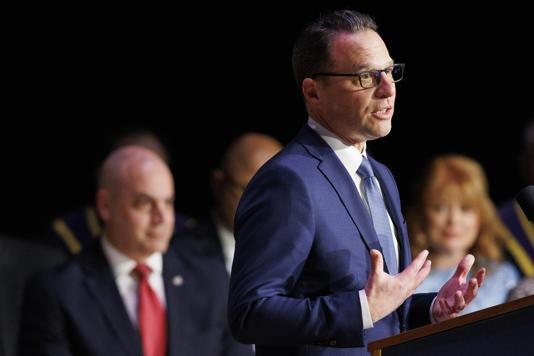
{"x": 525, "y": 199}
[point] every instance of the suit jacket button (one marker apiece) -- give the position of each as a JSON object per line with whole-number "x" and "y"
{"x": 332, "y": 343}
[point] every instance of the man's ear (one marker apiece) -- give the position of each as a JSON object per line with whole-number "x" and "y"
{"x": 310, "y": 92}
{"x": 103, "y": 204}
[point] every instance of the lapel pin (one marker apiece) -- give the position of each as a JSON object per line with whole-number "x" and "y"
{"x": 177, "y": 280}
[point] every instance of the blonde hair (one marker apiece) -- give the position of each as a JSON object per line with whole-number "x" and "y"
{"x": 453, "y": 177}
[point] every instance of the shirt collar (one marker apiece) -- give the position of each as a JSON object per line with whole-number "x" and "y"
{"x": 123, "y": 265}
{"x": 347, "y": 154}
{"x": 226, "y": 236}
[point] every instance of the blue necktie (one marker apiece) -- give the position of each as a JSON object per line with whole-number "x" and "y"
{"x": 379, "y": 215}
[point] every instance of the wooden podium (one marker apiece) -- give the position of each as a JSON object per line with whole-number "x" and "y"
{"x": 506, "y": 329}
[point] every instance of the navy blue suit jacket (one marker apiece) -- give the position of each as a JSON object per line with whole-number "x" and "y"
{"x": 303, "y": 238}
{"x": 77, "y": 309}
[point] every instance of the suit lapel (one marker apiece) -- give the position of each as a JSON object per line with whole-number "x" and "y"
{"x": 176, "y": 282}
{"x": 101, "y": 284}
{"x": 335, "y": 172}
{"x": 339, "y": 178}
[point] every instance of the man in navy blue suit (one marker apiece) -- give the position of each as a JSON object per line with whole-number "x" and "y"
{"x": 308, "y": 275}
{"x": 96, "y": 303}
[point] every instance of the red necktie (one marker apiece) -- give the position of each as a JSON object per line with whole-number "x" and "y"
{"x": 151, "y": 316}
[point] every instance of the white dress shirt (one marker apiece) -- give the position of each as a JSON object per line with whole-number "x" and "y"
{"x": 122, "y": 267}
{"x": 227, "y": 239}
{"x": 351, "y": 159}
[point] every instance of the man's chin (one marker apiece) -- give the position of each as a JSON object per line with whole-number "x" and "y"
{"x": 158, "y": 244}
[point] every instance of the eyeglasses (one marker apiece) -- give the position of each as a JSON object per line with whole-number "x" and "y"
{"x": 370, "y": 78}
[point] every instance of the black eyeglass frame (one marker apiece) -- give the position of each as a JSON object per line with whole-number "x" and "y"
{"x": 374, "y": 73}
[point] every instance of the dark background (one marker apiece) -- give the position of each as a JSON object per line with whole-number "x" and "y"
{"x": 199, "y": 74}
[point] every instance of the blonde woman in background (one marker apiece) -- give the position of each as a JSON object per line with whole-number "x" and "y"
{"x": 454, "y": 215}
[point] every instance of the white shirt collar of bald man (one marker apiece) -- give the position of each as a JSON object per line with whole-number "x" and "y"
{"x": 122, "y": 267}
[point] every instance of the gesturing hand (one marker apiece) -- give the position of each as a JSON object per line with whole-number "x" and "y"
{"x": 385, "y": 293}
{"x": 456, "y": 293}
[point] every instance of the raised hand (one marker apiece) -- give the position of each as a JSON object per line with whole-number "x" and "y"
{"x": 457, "y": 293}
{"x": 385, "y": 293}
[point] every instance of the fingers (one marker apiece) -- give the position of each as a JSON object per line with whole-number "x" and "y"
{"x": 423, "y": 273}
{"x": 474, "y": 285}
{"x": 377, "y": 262}
{"x": 472, "y": 290}
{"x": 419, "y": 262}
{"x": 459, "y": 302}
{"x": 464, "y": 266}
{"x": 416, "y": 272}
{"x": 481, "y": 274}
{"x": 446, "y": 309}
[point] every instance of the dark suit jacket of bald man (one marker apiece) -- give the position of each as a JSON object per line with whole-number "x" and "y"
{"x": 77, "y": 309}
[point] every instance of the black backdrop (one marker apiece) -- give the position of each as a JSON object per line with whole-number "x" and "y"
{"x": 199, "y": 74}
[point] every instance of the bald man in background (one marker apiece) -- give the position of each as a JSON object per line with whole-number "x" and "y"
{"x": 73, "y": 230}
{"x": 241, "y": 160}
{"x": 92, "y": 305}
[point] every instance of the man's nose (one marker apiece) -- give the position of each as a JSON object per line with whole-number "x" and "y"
{"x": 385, "y": 87}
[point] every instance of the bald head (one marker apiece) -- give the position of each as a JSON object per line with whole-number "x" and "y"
{"x": 128, "y": 162}
{"x": 136, "y": 201}
{"x": 242, "y": 160}
{"x": 143, "y": 138}
{"x": 249, "y": 152}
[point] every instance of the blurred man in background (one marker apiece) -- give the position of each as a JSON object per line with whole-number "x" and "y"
{"x": 127, "y": 293}
{"x": 74, "y": 230}
{"x": 240, "y": 162}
